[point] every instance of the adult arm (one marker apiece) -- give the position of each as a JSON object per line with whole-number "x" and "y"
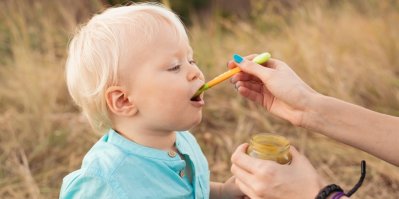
{"x": 375, "y": 133}
{"x": 277, "y": 88}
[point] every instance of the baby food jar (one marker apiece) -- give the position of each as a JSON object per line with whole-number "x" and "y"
{"x": 268, "y": 146}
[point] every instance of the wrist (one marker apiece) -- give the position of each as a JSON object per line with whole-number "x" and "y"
{"x": 331, "y": 191}
{"x": 216, "y": 190}
{"x": 312, "y": 115}
{"x": 321, "y": 183}
{"x": 222, "y": 194}
{"x": 334, "y": 191}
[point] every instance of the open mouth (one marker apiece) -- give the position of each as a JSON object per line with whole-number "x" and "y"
{"x": 197, "y": 98}
{"x": 197, "y": 101}
{"x": 198, "y": 95}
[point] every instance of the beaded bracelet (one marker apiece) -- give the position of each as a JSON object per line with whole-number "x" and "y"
{"x": 338, "y": 192}
{"x": 328, "y": 190}
{"x": 338, "y": 195}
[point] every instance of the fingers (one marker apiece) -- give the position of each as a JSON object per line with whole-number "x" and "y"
{"x": 255, "y": 69}
{"x": 248, "y": 86}
{"x": 244, "y": 77}
{"x": 251, "y": 56}
{"x": 244, "y": 181}
{"x": 239, "y": 152}
{"x": 254, "y": 86}
{"x": 298, "y": 158}
{"x": 293, "y": 151}
{"x": 232, "y": 65}
{"x": 294, "y": 154}
{"x": 273, "y": 63}
{"x": 242, "y": 175}
{"x": 250, "y": 94}
{"x": 240, "y": 157}
{"x": 251, "y": 174}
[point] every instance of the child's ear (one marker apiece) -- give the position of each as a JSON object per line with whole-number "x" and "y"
{"x": 118, "y": 102}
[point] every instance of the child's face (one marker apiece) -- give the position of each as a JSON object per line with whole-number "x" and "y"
{"x": 161, "y": 78}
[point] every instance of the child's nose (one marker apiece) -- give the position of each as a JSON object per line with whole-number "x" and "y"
{"x": 194, "y": 74}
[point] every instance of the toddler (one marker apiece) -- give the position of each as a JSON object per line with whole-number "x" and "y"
{"x": 132, "y": 72}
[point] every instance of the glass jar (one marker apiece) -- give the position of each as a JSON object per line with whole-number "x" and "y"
{"x": 268, "y": 146}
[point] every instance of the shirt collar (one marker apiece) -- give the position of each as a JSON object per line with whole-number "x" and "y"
{"x": 130, "y": 147}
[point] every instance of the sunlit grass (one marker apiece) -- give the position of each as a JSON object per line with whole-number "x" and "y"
{"x": 346, "y": 50}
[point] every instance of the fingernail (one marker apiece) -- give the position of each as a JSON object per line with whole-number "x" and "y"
{"x": 237, "y": 58}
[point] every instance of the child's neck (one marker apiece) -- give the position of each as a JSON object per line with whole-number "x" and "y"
{"x": 155, "y": 139}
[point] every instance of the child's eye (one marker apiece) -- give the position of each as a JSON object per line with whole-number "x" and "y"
{"x": 176, "y": 68}
{"x": 192, "y": 62}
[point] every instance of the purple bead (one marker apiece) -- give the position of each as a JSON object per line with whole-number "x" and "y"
{"x": 338, "y": 195}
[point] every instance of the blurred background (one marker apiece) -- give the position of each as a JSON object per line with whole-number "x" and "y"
{"x": 345, "y": 49}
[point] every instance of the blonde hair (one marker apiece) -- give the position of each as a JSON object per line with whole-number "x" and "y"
{"x": 95, "y": 51}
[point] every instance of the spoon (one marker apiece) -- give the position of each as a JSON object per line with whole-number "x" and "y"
{"x": 260, "y": 59}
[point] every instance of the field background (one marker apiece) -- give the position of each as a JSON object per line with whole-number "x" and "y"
{"x": 345, "y": 49}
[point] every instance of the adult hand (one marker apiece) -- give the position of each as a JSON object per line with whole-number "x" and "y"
{"x": 267, "y": 179}
{"x": 275, "y": 86}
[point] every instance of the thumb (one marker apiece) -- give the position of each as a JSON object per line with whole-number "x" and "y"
{"x": 296, "y": 156}
{"x": 252, "y": 68}
{"x": 294, "y": 152}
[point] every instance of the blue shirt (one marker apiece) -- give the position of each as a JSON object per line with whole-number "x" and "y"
{"x": 118, "y": 168}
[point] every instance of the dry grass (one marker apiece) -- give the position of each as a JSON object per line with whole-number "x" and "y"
{"x": 344, "y": 50}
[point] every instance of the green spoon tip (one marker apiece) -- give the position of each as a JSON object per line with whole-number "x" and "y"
{"x": 200, "y": 90}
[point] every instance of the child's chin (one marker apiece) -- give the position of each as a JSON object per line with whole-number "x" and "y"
{"x": 198, "y": 121}
{"x": 192, "y": 125}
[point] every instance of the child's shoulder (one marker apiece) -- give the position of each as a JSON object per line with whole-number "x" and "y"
{"x": 96, "y": 172}
{"x": 103, "y": 157}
